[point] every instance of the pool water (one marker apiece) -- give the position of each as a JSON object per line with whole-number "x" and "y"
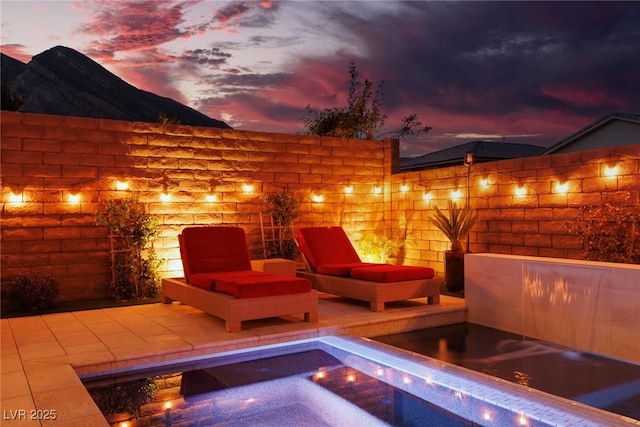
{"x": 604, "y": 383}
{"x": 331, "y": 381}
{"x": 304, "y": 387}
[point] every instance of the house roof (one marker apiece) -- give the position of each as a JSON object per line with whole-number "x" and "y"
{"x": 484, "y": 151}
{"x": 601, "y": 122}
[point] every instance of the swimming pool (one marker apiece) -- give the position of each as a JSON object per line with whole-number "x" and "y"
{"x": 315, "y": 380}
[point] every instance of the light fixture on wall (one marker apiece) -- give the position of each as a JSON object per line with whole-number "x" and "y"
{"x": 427, "y": 196}
{"x": 16, "y": 196}
{"x": 404, "y": 187}
{"x": 211, "y": 197}
{"x": 484, "y": 180}
{"x": 456, "y": 194}
{"x": 317, "y": 198}
{"x": 520, "y": 190}
{"x": 562, "y": 187}
{"x": 165, "y": 196}
{"x": 122, "y": 185}
{"x": 611, "y": 170}
{"x": 247, "y": 188}
{"x": 348, "y": 188}
{"x": 377, "y": 189}
{"x": 74, "y": 198}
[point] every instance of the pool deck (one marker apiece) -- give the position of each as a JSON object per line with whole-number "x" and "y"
{"x": 43, "y": 355}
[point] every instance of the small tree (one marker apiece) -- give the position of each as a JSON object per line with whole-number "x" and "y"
{"x": 282, "y": 208}
{"x": 361, "y": 118}
{"x": 133, "y": 262}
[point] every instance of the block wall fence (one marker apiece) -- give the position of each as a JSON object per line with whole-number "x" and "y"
{"x": 46, "y": 159}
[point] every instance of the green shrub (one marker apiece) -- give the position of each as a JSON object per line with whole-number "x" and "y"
{"x": 33, "y": 291}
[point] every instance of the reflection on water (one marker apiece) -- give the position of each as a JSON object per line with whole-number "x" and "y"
{"x": 562, "y": 302}
{"x": 545, "y": 366}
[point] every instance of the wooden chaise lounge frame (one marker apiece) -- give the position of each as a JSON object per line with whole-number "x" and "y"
{"x": 236, "y": 310}
{"x": 376, "y": 293}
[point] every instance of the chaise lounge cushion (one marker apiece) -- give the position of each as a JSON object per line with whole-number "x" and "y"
{"x": 326, "y": 246}
{"x": 208, "y": 281}
{"x": 265, "y": 285}
{"x": 343, "y": 270}
{"x": 213, "y": 249}
{"x": 392, "y": 273}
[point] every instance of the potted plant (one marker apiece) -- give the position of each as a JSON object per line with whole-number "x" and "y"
{"x": 456, "y": 226}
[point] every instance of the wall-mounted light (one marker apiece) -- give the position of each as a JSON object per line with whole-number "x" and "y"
{"x": 247, "y": 188}
{"x": 404, "y": 187}
{"x": 611, "y": 170}
{"x": 456, "y": 194}
{"x": 520, "y": 190}
{"x": 122, "y": 185}
{"x": 317, "y": 198}
{"x": 74, "y": 198}
{"x": 165, "y": 196}
{"x": 377, "y": 189}
{"x": 562, "y": 187}
{"x": 427, "y": 196}
{"x": 16, "y": 197}
{"x": 211, "y": 197}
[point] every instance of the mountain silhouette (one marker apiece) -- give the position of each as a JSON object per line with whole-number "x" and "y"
{"x": 62, "y": 81}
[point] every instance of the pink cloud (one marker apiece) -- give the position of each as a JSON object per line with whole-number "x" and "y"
{"x": 16, "y": 51}
{"x": 123, "y": 26}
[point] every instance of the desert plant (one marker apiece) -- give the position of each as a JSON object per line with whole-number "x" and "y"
{"x": 456, "y": 225}
{"x": 33, "y": 291}
{"x": 610, "y": 232}
{"x": 134, "y": 266}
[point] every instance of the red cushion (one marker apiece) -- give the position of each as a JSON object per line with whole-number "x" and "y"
{"x": 208, "y": 280}
{"x": 340, "y": 269}
{"x": 264, "y": 286}
{"x": 392, "y": 273}
{"x": 326, "y": 245}
{"x": 213, "y": 249}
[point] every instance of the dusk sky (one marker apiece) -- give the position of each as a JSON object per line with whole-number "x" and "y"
{"x": 528, "y": 72}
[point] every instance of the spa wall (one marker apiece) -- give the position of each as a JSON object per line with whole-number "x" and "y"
{"x": 46, "y": 159}
{"x": 586, "y": 305}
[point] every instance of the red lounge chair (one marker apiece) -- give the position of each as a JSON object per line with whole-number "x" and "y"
{"x": 336, "y": 268}
{"x": 219, "y": 280}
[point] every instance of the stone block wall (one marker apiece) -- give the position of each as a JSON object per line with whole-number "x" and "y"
{"x": 533, "y": 223}
{"x": 46, "y": 159}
